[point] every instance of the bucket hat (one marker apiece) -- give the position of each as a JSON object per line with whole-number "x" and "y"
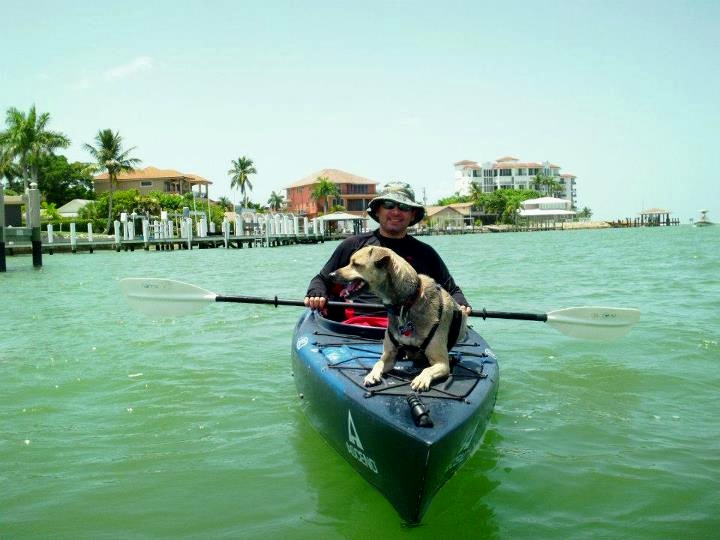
{"x": 400, "y": 193}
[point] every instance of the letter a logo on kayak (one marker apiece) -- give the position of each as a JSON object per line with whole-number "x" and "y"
{"x": 353, "y": 436}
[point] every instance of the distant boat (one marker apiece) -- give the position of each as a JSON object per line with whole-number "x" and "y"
{"x": 703, "y": 221}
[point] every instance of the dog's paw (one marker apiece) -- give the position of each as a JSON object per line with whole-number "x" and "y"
{"x": 421, "y": 382}
{"x": 373, "y": 378}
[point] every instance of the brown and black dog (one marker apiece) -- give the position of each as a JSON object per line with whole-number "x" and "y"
{"x": 420, "y": 312}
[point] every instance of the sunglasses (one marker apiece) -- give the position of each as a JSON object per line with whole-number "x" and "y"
{"x": 389, "y": 205}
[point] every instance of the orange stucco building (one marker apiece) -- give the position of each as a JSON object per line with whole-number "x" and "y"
{"x": 356, "y": 193}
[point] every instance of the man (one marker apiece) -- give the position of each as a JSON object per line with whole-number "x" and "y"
{"x": 395, "y": 210}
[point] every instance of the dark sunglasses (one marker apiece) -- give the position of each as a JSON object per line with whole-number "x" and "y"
{"x": 389, "y": 205}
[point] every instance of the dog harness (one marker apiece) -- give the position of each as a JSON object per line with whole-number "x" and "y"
{"x": 407, "y": 328}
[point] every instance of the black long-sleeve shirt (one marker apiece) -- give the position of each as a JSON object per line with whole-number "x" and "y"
{"x": 422, "y": 257}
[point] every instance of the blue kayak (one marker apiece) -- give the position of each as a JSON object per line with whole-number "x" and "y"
{"x": 405, "y": 444}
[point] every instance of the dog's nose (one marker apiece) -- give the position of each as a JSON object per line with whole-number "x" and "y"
{"x": 333, "y": 275}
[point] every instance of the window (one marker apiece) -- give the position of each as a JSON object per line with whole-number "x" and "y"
{"x": 505, "y": 172}
{"x": 146, "y": 183}
{"x": 356, "y": 205}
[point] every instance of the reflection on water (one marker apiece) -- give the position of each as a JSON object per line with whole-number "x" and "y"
{"x": 352, "y": 508}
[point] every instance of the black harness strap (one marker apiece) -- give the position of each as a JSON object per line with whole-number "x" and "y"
{"x": 453, "y": 333}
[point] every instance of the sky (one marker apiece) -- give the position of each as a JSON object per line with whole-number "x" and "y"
{"x": 625, "y": 95}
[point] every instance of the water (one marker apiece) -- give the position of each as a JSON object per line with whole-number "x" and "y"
{"x": 113, "y": 425}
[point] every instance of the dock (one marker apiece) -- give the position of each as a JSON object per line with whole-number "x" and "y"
{"x": 261, "y": 230}
{"x": 652, "y": 217}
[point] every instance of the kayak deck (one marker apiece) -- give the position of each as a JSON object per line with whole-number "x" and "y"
{"x": 374, "y": 429}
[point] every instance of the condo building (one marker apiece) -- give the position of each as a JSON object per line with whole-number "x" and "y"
{"x": 510, "y": 173}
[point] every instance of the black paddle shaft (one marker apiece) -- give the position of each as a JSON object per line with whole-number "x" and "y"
{"x": 275, "y": 301}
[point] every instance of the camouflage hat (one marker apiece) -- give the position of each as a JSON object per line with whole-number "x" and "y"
{"x": 400, "y": 193}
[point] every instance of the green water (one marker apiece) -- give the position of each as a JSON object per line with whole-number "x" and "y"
{"x": 113, "y": 425}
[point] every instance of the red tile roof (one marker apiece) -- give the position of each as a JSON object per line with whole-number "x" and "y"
{"x": 155, "y": 173}
{"x": 336, "y": 176}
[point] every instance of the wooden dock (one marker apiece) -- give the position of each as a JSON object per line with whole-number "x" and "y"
{"x": 66, "y": 245}
{"x": 638, "y": 222}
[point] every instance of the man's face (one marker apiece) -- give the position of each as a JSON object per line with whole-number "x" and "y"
{"x": 394, "y": 221}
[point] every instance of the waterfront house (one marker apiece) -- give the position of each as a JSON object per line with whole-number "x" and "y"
{"x": 511, "y": 173}
{"x": 442, "y": 217}
{"x": 71, "y": 209}
{"x": 154, "y": 179}
{"x": 356, "y": 192}
{"x": 546, "y": 209}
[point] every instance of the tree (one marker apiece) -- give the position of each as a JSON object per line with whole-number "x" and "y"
{"x": 110, "y": 156}
{"x": 242, "y": 168}
{"x": 9, "y": 171}
{"x": 60, "y": 181}
{"x": 27, "y": 140}
{"x": 323, "y": 190}
{"x": 276, "y": 201}
{"x": 225, "y": 203}
{"x": 552, "y": 186}
{"x": 503, "y": 202}
{"x": 585, "y": 213}
{"x": 454, "y": 199}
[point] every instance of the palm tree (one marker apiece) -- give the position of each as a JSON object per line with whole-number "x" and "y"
{"x": 323, "y": 190}
{"x": 27, "y": 140}
{"x": 276, "y": 201}
{"x": 242, "y": 168}
{"x": 225, "y": 203}
{"x": 110, "y": 156}
{"x": 552, "y": 186}
{"x": 8, "y": 169}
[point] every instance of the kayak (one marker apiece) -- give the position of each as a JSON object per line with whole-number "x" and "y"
{"x": 406, "y": 444}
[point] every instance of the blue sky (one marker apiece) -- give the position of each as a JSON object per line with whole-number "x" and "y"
{"x": 622, "y": 94}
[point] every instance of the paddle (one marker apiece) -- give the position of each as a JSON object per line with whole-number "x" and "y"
{"x": 168, "y": 298}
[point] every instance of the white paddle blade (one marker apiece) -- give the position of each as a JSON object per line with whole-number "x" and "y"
{"x": 159, "y": 297}
{"x": 594, "y": 322}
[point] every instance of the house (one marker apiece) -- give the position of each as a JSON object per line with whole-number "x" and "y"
{"x": 510, "y": 173}
{"x": 71, "y": 209}
{"x": 154, "y": 179}
{"x": 444, "y": 216}
{"x": 546, "y": 209}
{"x": 356, "y": 193}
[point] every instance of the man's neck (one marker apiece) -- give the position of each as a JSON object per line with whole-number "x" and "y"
{"x": 392, "y": 236}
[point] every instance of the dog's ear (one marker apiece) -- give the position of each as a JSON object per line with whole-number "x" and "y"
{"x": 383, "y": 262}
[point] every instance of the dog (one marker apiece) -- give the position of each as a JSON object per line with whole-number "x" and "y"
{"x": 423, "y": 319}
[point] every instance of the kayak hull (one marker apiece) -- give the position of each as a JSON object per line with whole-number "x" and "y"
{"x": 374, "y": 428}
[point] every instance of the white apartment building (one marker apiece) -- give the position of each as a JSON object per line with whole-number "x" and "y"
{"x": 510, "y": 173}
